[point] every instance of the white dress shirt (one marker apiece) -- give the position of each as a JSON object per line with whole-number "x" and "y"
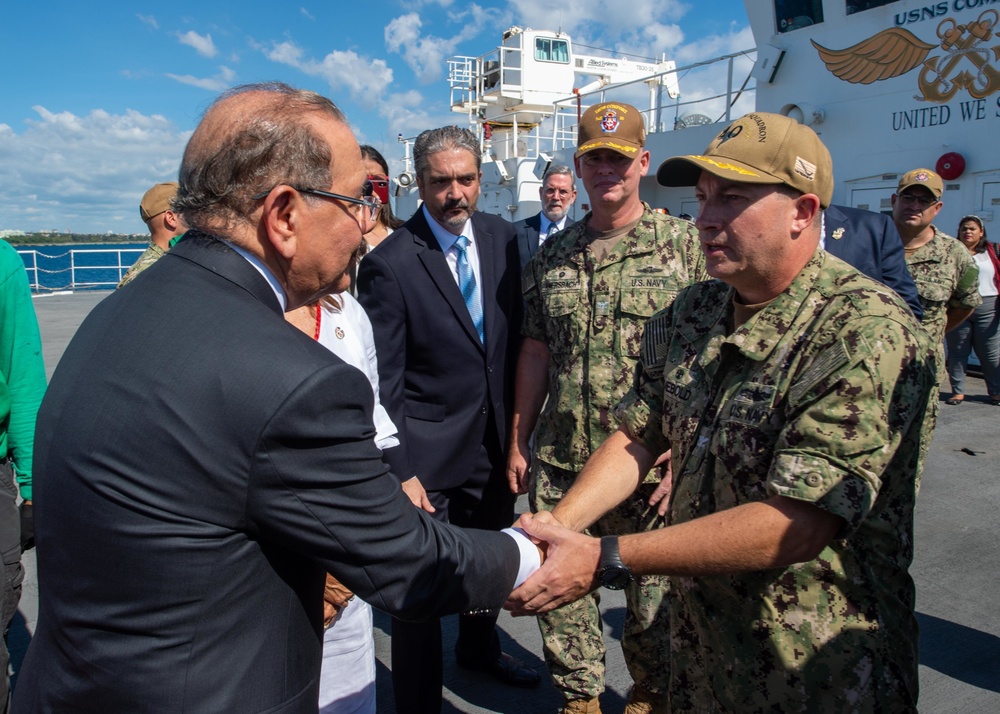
{"x": 446, "y": 239}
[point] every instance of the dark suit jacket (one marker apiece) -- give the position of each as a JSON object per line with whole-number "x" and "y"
{"x": 527, "y": 237}
{"x": 435, "y": 379}
{"x": 199, "y": 464}
{"x": 870, "y": 242}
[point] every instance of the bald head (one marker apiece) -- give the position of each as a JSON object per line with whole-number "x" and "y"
{"x": 251, "y": 139}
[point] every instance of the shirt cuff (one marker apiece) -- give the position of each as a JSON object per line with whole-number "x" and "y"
{"x": 531, "y": 559}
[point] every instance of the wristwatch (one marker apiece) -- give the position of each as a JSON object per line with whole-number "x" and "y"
{"x": 611, "y": 571}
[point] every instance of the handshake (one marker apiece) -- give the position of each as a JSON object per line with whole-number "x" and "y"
{"x": 569, "y": 570}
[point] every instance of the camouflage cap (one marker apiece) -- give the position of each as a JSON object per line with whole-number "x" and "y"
{"x": 759, "y": 148}
{"x": 611, "y": 125}
{"x": 157, "y": 200}
{"x": 922, "y": 177}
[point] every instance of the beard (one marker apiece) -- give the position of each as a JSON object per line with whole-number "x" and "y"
{"x": 457, "y": 220}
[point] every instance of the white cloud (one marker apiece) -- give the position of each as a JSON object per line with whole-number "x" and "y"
{"x": 426, "y": 55}
{"x": 222, "y": 80}
{"x": 85, "y": 173}
{"x": 364, "y": 78}
{"x": 202, "y": 44}
{"x": 148, "y": 20}
{"x": 307, "y": 14}
{"x": 595, "y": 17}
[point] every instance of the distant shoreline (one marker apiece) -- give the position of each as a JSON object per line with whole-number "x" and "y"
{"x": 72, "y": 239}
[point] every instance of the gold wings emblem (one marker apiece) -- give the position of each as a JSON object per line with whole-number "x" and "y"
{"x": 888, "y": 54}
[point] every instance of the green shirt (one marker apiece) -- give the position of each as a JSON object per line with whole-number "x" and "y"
{"x": 590, "y": 315}
{"x": 822, "y": 396}
{"x": 22, "y": 371}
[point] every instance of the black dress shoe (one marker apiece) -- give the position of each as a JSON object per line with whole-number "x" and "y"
{"x": 506, "y": 669}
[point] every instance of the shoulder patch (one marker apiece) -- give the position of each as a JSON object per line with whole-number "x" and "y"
{"x": 831, "y": 360}
{"x": 527, "y": 279}
{"x": 655, "y": 338}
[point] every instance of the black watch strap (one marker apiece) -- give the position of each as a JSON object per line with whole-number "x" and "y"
{"x": 612, "y": 572}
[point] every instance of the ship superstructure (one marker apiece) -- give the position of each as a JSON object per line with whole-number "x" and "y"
{"x": 889, "y": 86}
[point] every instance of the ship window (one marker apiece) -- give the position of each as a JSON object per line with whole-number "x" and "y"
{"x": 548, "y": 49}
{"x": 794, "y": 14}
{"x": 854, "y": 6}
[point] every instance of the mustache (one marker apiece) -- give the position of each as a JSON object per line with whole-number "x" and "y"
{"x": 452, "y": 205}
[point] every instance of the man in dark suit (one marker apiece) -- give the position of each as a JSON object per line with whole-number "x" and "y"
{"x": 200, "y": 463}
{"x": 443, "y": 295}
{"x": 557, "y": 193}
{"x": 870, "y": 242}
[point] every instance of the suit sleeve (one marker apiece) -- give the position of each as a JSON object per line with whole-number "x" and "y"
{"x": 319, "y": 488}
{"x": 380, "y": 295}
{"x": 895, "y": 272}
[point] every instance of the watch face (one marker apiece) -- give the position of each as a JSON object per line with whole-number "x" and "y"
{"x": 615, "y": 577}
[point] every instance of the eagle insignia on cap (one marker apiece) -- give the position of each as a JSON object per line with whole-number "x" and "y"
{"x": 609, "y": 122}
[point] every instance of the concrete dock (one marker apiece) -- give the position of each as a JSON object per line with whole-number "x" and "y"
{"x": 956, "y": 568}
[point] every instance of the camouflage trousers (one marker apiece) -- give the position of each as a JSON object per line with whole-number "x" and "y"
{"x": 572, "y": 636}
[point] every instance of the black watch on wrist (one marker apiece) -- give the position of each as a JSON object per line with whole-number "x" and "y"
{"x": 611, "y": 571}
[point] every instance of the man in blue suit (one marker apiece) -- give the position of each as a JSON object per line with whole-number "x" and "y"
{"x": 557, "y": 193}
{"x": 870, "y": 242}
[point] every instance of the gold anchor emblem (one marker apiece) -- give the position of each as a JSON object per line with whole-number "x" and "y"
{"x": 895, "y": 51}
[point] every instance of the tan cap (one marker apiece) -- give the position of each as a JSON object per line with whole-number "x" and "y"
{"x": 611, "y": 125}
{"x": 157, "y": 200}
{"x": 921, "y": 177}
{"x": 760, "y": 148}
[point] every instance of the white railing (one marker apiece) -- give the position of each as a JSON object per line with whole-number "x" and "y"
{"x": 77, "y": 268}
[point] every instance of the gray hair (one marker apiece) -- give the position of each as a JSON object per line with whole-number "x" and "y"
{"x": 558, "y": 170}
{"x": 239, "y": 152}
{"x": 444, "y": 139}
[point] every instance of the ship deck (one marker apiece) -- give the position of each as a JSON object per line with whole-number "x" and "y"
{"x": 956, "y": 568}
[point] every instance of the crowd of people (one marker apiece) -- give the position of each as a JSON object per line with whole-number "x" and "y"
{"x": 322, "y": 408}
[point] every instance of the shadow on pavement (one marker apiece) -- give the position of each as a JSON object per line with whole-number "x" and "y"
{"x": 960, "y": 652}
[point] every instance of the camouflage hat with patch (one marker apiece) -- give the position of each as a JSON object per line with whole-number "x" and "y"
{"x": 922, "y": 177}
{"x": 157, "y": 200}
{"x": 611, "y": 125}
{"x": 759, "y": 148}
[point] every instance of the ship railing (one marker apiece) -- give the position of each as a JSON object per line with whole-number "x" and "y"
{"x": 477, "y": 81}
{"x": 697, "y": 103}
{"x": 77, "y": 268}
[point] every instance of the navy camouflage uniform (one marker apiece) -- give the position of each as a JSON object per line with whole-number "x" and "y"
{"x": 590, "y": 315}
{"x": 822, "y": 396}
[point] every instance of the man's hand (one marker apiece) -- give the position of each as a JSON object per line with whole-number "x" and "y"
{"x": 414, "y": 490}
{"x": 517, "y": 468}
{"x": 335, "y": 598}
{"x": 568, "y": 573}
{"x": 662, "y": 493}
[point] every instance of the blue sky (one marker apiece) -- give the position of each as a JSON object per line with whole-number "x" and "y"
{"x": 97, "y": 104}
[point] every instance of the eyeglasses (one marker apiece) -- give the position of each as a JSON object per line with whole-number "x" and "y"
{"x": 561, "y": 192}
{"x": 368, "y": 199}
{"x": 923, "y": 201}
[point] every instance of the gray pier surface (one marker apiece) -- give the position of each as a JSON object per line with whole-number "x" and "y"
{"x": 956, "y": 568}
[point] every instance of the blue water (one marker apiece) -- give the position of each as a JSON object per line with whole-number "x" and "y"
{"x": 91, "y": 266}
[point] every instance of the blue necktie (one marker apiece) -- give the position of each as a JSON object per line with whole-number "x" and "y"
{"x": 467, "y": 284}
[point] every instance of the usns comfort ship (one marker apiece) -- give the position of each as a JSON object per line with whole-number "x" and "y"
{"x": 888, "y": 86}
